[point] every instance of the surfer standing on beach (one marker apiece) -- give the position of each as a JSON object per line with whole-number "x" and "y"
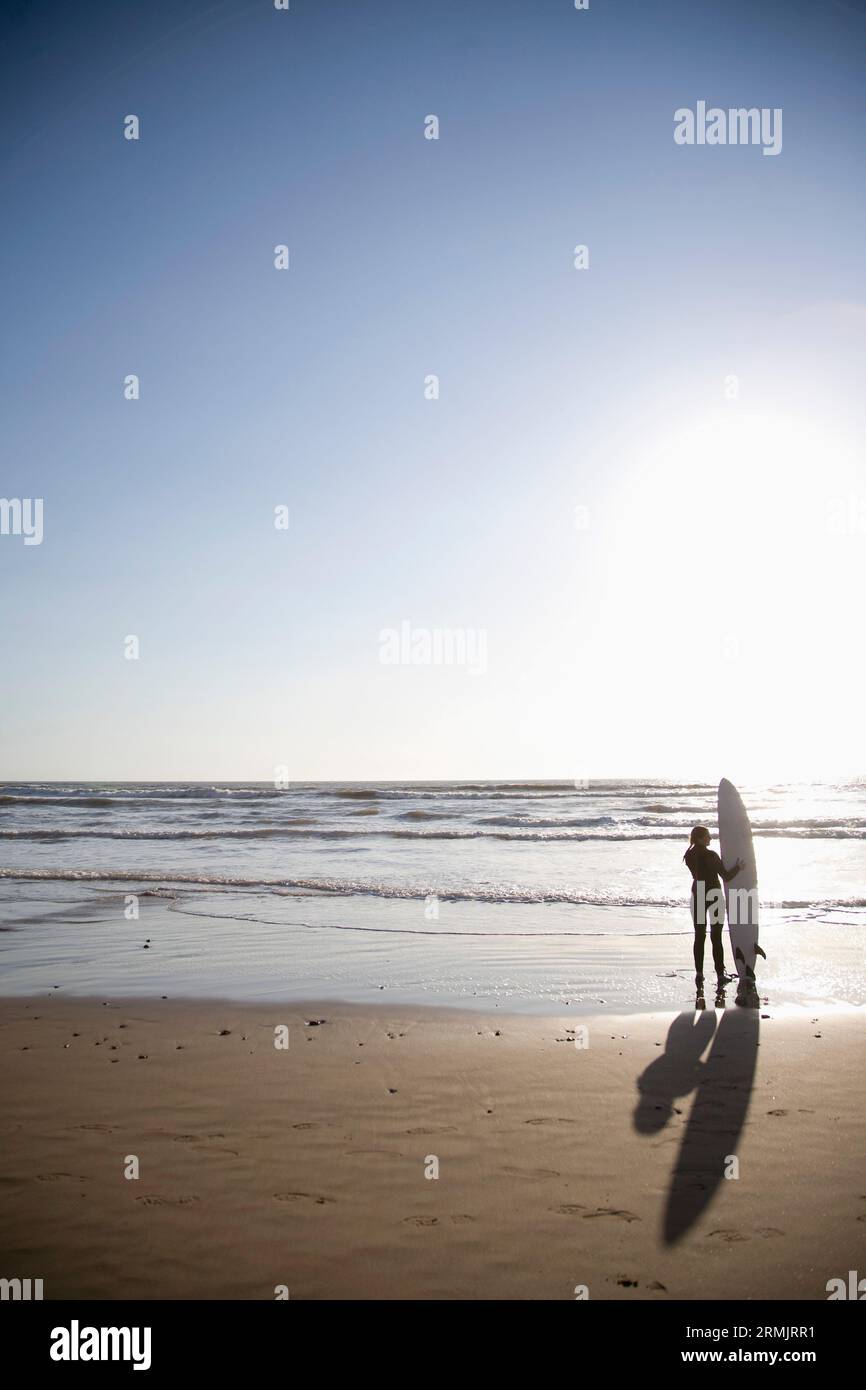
{"x": 708, "y": 902}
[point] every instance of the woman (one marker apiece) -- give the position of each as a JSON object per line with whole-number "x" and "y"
{"x": 708, "y": 901}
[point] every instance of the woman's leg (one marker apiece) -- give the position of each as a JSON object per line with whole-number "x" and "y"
{"x": 717, "y": 922}
{"x": 700, "y": 936}
{"x": 718, "y": 948}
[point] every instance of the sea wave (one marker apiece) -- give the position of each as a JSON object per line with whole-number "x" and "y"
{"x": 340, "y": 887}
{"x": 300, "y": 831}
{"x": 549, "y": 823}
{"x": 72, "y": 794}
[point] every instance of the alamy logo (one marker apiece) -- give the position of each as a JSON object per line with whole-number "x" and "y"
{"x": 736, "y": 126}
{"x": 854, "y": 1289}
{"x": 21, "y": 1289}
{"x": 76, "y": 1343}
{"x": 436, "y": 646}
{"x": 22, "y": 516}
{"x": 742, "y": 904}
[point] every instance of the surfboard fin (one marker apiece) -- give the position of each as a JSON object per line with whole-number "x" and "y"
{"x": 759, "y": 952}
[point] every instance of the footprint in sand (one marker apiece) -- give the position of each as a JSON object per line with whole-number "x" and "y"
{"x": 210, "y": 1149}
{"x": 777, "y": 1112}
{"x": 568, "y": 1209}
{"x": 461, "y": 1219}
{"x": 198, "y": 1139}
{"x": 97, "y": 1129}
{"x": 387, "y": 1153}
{"x": 530, "y": 1172}
{"x": 550, "y": 1120}
{"x": 433, "y": 1129}
{"x": 728, "y": 1236}
{"x": 156, "y": 1201}
{"x": 612, "y": 1211}
{"x": 303, "y": 1197}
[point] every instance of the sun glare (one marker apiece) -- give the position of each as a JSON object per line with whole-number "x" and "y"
{"x": 731, "y": 544}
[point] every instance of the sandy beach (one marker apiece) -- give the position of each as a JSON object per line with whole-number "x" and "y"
{"x": 432, "y": 791}
{"x": 559, "y": 1165}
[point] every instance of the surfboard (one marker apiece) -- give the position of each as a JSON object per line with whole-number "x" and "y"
{"x": 741, "y": 892}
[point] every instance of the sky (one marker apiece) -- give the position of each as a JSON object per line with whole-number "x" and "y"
{"x": 639, "y": 501}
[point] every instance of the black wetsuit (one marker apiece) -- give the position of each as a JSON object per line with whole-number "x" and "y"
{"x": 706, "y": 867}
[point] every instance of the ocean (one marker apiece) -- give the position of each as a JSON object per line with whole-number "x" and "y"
{"x": 521, "y": 895}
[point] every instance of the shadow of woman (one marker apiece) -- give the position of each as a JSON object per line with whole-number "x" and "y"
{"x": 723, "y": 1089}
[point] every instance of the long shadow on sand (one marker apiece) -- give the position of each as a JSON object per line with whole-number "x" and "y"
{"x": 723, "y": 1089}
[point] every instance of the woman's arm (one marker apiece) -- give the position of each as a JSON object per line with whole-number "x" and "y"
{"x": 728, "y": 874}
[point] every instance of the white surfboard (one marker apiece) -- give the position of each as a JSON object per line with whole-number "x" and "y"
{"x": 741, "y": 892}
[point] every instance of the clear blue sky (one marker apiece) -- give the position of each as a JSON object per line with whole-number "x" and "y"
{"x": 709, "y": 612}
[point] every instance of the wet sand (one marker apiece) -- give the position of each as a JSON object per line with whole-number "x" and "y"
{"x": 559, "y": 1166}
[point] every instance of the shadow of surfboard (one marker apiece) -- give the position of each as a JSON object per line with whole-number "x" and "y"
{"x": 723, "y": 1090}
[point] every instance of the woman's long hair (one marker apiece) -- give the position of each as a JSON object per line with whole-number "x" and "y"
{"x": 700, "y": 834}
